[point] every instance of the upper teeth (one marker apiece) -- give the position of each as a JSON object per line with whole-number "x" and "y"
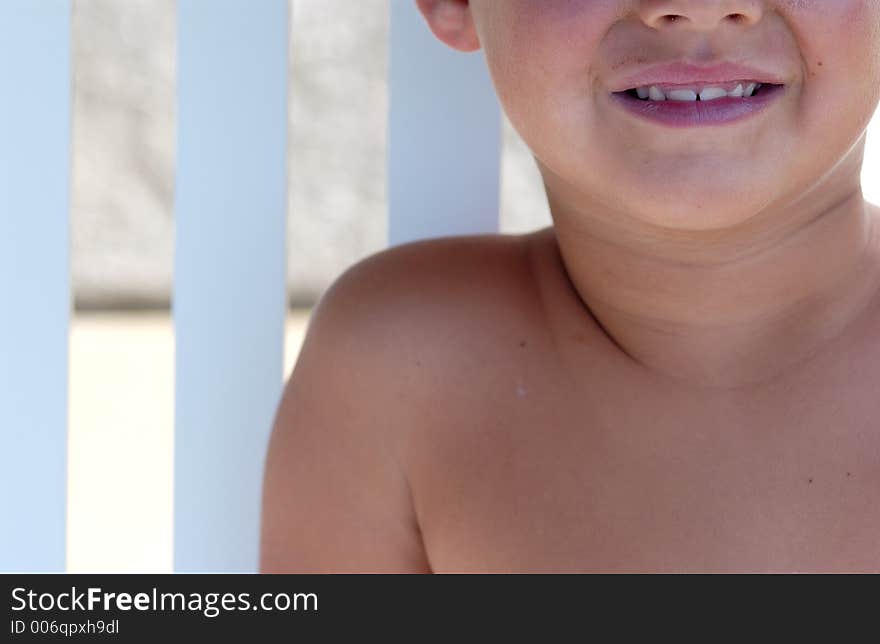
{"x": 655, "y": 93}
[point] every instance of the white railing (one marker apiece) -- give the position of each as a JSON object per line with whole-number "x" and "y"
{"x": 229, "y": 277}
{"x": 442, "y": 101}
{"x": 34, "y": 281}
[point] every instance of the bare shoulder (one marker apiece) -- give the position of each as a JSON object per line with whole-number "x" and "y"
{"x": 437, "y": 298}
{"x": 416, "y": 277}
{"x": 384, "y": 339}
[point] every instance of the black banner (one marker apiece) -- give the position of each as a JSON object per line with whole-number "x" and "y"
{"x": 332, "y": 607}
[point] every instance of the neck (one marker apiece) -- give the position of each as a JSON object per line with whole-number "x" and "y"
{"x": 724, "y": 309}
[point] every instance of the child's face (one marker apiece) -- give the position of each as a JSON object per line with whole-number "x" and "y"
{"x": 555, "y": 64}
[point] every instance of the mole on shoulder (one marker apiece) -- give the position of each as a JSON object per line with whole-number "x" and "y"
{"x": 810, "y": 481}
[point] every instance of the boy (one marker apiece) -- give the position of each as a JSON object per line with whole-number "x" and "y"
{"x": 681, "y": 374}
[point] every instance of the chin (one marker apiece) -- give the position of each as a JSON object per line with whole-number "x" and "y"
{"x": 695, "y": 203}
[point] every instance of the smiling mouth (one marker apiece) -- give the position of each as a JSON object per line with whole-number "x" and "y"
{"x": 699, "y": 92}
{"x": 697, "y": 104}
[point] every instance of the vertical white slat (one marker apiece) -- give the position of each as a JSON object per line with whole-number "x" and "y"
{"x": 444, "y": 135}
{"x": 34, "y": 282}
{"x": 229, "y": 280}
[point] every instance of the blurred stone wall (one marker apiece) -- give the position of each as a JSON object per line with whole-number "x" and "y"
{"x": 123, "y": 152}
{"x": 124, "y": 144}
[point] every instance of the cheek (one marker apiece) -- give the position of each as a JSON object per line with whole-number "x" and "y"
{"x": 871, "y": 20}
{"x": 568, "y": 28}
{"x": 540, "y": 52}
{"x": 840, "y": 45}
{"x": 546, "y": 37}
{"x": 835, "y": 29}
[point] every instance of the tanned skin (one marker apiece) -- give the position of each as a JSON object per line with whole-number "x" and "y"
{"x": 681, "y": 374}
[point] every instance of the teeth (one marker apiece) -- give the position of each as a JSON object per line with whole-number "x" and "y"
{"x": 681, "y": 95}
{"x": 654, "y": 93}
{"x": 711, "y": 93}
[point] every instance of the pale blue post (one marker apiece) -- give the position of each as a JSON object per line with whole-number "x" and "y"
{"x": 444, "y": 136}
{"x": 34, "y": 282}
{"x": 230, "y": 263}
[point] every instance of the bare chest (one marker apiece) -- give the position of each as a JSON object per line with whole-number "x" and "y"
{"x": 616, "y": 480}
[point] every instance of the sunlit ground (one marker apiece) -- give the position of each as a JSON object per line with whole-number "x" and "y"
{"x": 121, "y": 440}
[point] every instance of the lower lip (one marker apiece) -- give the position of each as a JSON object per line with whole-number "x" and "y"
{"x": 720, "y": 111}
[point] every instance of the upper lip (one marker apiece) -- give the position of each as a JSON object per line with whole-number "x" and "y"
{"x": 681, "y": 73}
